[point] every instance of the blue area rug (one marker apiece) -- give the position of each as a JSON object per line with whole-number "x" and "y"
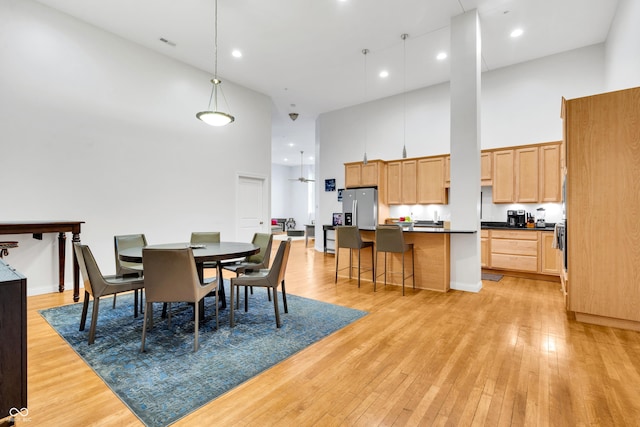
{"x": 169, "y": 380}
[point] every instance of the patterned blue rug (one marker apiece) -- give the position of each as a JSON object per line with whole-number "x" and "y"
{"x": 169, "y": 380}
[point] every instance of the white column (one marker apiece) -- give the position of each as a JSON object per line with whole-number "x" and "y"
{"x": 464, "y": 193}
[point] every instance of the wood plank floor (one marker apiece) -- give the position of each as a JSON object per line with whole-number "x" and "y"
{"x": 508, "y": 355}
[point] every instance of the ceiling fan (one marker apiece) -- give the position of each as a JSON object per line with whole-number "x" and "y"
{"x": 301, "y": 178}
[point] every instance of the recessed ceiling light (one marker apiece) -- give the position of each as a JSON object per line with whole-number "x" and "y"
{"x": 236, "y": 53}
{"x": 517, "y": 32}
{"x": 384, "y": 74}
{"x": 441, "y": 56}
{"x": 291, "y": 144}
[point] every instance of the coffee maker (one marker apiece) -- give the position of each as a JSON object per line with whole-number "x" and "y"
{"x": 516, "y": 218}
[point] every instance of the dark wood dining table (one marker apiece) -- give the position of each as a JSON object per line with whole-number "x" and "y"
{"x": 205, "y": 252}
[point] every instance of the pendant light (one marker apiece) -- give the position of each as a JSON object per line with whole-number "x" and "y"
{"x": 215, "y": 117}
{"x": 404, "y": 95}
{"x": 365, "y": 52}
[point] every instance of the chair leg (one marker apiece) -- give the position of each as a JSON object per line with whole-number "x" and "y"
{"x": 275, "y": 307}
{"x": 85, "y": 307}
{"x": 114, "y": 301}
{"x": 196, "y": 325}
{"x": 94, "y": 320}
{"x": 232, "y": 305}
{"x": 284, "y": 297}
{"x": 403, "y": 273}
{"x": 350, "y": 263}
{"x": 147, "y": 312}
{"x": 373, "y": 268}
{"x": 217, "y": 309}
{"x": 337, "y": 261}
{"x": 246, "y": 299}
{"x": 374, "y": 274}
{"x": 359, "y": 267}
{"x": 135, "y": 302}
{"x": 413, "y": 267}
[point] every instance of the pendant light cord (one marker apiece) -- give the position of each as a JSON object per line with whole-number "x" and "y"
{"x": 365, "y": 52}
{"x": 404, "y": 95}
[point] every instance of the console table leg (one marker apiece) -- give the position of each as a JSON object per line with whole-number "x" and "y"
{"x": 62, "y": 240}
{"x": 76, "y": 271}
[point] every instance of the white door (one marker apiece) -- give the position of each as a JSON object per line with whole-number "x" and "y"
{"x": 252, "y": 207}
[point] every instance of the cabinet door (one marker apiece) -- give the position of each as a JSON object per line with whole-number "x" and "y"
{"x": 549, "y": 256}
{"x": 447, "y": 171}
{"x": 526, "y": 174}
{"x": 484, "y": 248}
{"x": 486, "y": 168}
{"x": 503, "y": 185}
{"x": 369, "y": 175}
{"x": 352, "y": 175}
{"x": 409, "y": 179}
{"x": 550, "y": 173}
{"x": 394, "y": 183}
{"x": 430, "y": 178}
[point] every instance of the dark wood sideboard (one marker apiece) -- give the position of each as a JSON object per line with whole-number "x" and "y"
{"x": 13, "y": 339}
{"x": 36, "y": 228}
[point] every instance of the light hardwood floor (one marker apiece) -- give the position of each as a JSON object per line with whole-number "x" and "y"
{"x": 508, "y": 355}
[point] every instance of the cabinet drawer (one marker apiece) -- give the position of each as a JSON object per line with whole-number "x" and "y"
{"x": 514, "y": 234}
{"x": 514, "y": 262}
{"x": 514, "y": 247}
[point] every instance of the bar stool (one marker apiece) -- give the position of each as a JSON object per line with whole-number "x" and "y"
{"x": 348, "y": 236}
{"x": 389, "y": 238}
{"x": 5, "y": 246}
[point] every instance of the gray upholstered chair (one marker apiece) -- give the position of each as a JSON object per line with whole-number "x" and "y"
{"x": 96, "y": 285}
{"x": 204, "y": 237}
{"x": 126, "y": 268}
{"x": 348, "y": 236}
{"x": 171, "y": 276}
{"x": 267, "y": 278}
{"x": 254, "y": 262}
{"x": 390, "y": 239}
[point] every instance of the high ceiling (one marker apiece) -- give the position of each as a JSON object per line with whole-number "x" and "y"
{"x": 306, "y": 54}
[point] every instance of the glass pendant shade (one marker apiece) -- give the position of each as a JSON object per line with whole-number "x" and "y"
{"x": 215, "y": 118}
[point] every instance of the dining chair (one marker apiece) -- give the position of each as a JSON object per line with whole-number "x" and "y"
{"x": 266, "y": 278}
{"x": 257, "y": 261}
{"x": 126, "y": 268}
{"x": 348, "y": 237}
{"x": 171, "y": 276}
{"x": 97, "y": 285}
{"x": 204, "y": 237}
{"x": 390, "y": 239}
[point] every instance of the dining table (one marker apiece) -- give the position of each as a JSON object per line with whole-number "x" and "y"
{"x": 202, "y": 253}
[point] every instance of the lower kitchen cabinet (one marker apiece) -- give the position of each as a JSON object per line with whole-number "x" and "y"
{"x": 550, "y": 257}
{"x": 514, "y": 250}
{"x": 484, "y": 248}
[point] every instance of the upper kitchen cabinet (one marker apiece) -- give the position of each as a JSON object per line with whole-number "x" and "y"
{"x": 526, "y": 175}
{"x": 394, "y": 182}
{"x": 431, "y": 180}
{"x": 550, "y": 167}
{"x": 357, "y": 174}
{"x": 602, "y": 136}
{"x": 486, "y": 168}
{"x": 409, "y": 182}
{"x": 503, "y": 182}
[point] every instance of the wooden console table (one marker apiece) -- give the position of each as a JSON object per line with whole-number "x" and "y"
{"x": 37, "y": 228}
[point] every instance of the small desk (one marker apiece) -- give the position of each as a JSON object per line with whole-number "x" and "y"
{"x": 309, "y": 229}
{"x": 61, "y": 227}
{"x": 210, "y": 252}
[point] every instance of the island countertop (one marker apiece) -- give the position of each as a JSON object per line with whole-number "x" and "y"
{"x": 427, "y": 229}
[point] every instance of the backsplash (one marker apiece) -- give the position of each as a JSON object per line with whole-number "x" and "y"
{"x": 490, "y": 211}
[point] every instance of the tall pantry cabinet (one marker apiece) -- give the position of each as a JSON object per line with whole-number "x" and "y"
{"x": 602, "y": 139}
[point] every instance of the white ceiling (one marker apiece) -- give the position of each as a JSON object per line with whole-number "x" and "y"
{"x": 306, "y": 54}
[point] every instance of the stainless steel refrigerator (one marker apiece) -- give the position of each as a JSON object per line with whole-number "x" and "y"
{"x": 360, "y": 207}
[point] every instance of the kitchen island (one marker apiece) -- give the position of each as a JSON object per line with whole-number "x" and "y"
{"x": 431, "y": 247}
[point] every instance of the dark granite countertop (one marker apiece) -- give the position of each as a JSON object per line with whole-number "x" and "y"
{"x": 493, "y": 225}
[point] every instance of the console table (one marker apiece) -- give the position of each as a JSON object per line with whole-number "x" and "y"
{"x": 37, "y": 228}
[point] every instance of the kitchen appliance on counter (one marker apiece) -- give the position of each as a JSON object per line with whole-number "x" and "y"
{"x": 516, "y": 218}
{"x": 360, "y": 207}
{"x": 540, "y": 222}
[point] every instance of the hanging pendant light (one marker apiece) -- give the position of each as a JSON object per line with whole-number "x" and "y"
{"x": 365, "y": 52}
{"x": 404, "y": 95}
{"x": 214, "y": 117}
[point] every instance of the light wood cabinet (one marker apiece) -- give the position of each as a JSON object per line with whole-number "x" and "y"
{"x": 550, "y": 257}
{"x": 409, "y": 182}
{"x": 514, "y": 250}
{"x": 603, "y": 171}
{"x": 486, "y": 168}
{"x": 431, "y": 180}
{"x": 484, "y": 248}
{"x": 447, "y": 171}
{"x": 394, "y": 183}
{"x": 503, "y": 188}
{"x": 357, "y": 174}
{"x": 526, "y": 175}
{"x": 550, "y": 167}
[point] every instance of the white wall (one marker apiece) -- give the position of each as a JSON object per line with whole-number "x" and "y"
{"x": 623, "y": 45}
{"x": 520, "y": 105}
{"x": 97, "y": 129}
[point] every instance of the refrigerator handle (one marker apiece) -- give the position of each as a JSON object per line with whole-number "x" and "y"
{"x": 355, "y": 213}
